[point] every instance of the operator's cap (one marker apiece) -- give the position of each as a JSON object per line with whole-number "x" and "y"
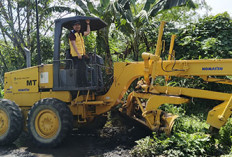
{"x": 76, "y": 22}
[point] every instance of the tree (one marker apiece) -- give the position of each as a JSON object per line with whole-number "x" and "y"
{"x": 17, "y": 26}
{"x": 18, "y": 31}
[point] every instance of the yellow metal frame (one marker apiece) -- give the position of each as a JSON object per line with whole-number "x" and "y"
{"x": 21, "y": 87}
{"x": 154, "y": 66}
{"x": 150, "y": 111}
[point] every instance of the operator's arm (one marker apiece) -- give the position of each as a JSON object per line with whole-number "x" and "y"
{"x": 88, "y": 28}
{"x": 75, "y": 48}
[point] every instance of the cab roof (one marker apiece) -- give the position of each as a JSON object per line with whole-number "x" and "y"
{"x": 95, "y": 23}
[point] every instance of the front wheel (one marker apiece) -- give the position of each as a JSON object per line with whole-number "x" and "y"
{"x": 11, "y": 122}
{"x": 49, "y": 121}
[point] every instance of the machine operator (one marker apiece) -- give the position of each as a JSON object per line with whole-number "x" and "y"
{"x": 77, "y": 51}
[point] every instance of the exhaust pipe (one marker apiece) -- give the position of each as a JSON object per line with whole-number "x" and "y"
{"x": 28, "y": 57}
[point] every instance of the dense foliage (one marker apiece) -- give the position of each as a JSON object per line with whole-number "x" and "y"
{"x": 208, "y": 38}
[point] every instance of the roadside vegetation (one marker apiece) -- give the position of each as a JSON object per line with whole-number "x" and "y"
{"x": 190, "y": 137}
{"x": 1, "y": 92}
{"x": 133, "y": 29}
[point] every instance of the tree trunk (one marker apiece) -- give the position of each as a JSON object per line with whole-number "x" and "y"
{"x": 103, "y": 45}
{"x": 28, "y": 26}
{"x": 4, "y": 63}
{"x": 136, "y": 46}
{"x": 146, "y": 43}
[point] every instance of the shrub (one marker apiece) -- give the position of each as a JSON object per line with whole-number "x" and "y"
{"x": 225, "y": 136}
{"x": 179, "y": 144}
{"x": 1, "y": 92}
{"x": 174, "y": 109}
{"x": 190, "y": 125}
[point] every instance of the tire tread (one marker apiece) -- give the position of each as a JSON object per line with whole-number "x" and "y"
{"x": 16, "y": 121}
{"x": 65, "y": 117}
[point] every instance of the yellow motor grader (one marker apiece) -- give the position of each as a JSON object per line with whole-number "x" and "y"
{"x": 48, "y": 101}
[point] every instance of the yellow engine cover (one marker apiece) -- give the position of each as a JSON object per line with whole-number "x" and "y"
{"x": 23, "y": 86}
{"x": 22, "y": 81}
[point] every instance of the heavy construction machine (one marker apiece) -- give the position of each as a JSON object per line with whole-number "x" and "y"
{"x": 48, "y": 101}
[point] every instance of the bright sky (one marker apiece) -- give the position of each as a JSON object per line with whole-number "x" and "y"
{"x": 220, "y": 6}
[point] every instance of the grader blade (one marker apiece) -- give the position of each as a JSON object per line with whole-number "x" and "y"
{"x": 144, "y": 107}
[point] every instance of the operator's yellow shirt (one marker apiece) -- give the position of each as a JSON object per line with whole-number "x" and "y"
{"x": 79, "y": 43}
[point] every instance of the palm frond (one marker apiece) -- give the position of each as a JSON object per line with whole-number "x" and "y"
{"x": 168, "y": 4}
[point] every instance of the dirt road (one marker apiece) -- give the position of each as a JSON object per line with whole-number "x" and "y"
{"x": 109, "y": 142}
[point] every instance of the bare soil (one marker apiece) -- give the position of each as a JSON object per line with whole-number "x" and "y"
{"x": 114, "y": 140}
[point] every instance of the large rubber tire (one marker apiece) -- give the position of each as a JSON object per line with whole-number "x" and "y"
{"x": 11, "y": 122}
{"x": 49, "y": 122}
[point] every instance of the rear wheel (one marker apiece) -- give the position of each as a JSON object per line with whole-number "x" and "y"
{"x": 11, "y": 121}
{"x": 49, "y": 121}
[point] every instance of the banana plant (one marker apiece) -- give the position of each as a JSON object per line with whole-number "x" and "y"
{"x": 134, "y": 16}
